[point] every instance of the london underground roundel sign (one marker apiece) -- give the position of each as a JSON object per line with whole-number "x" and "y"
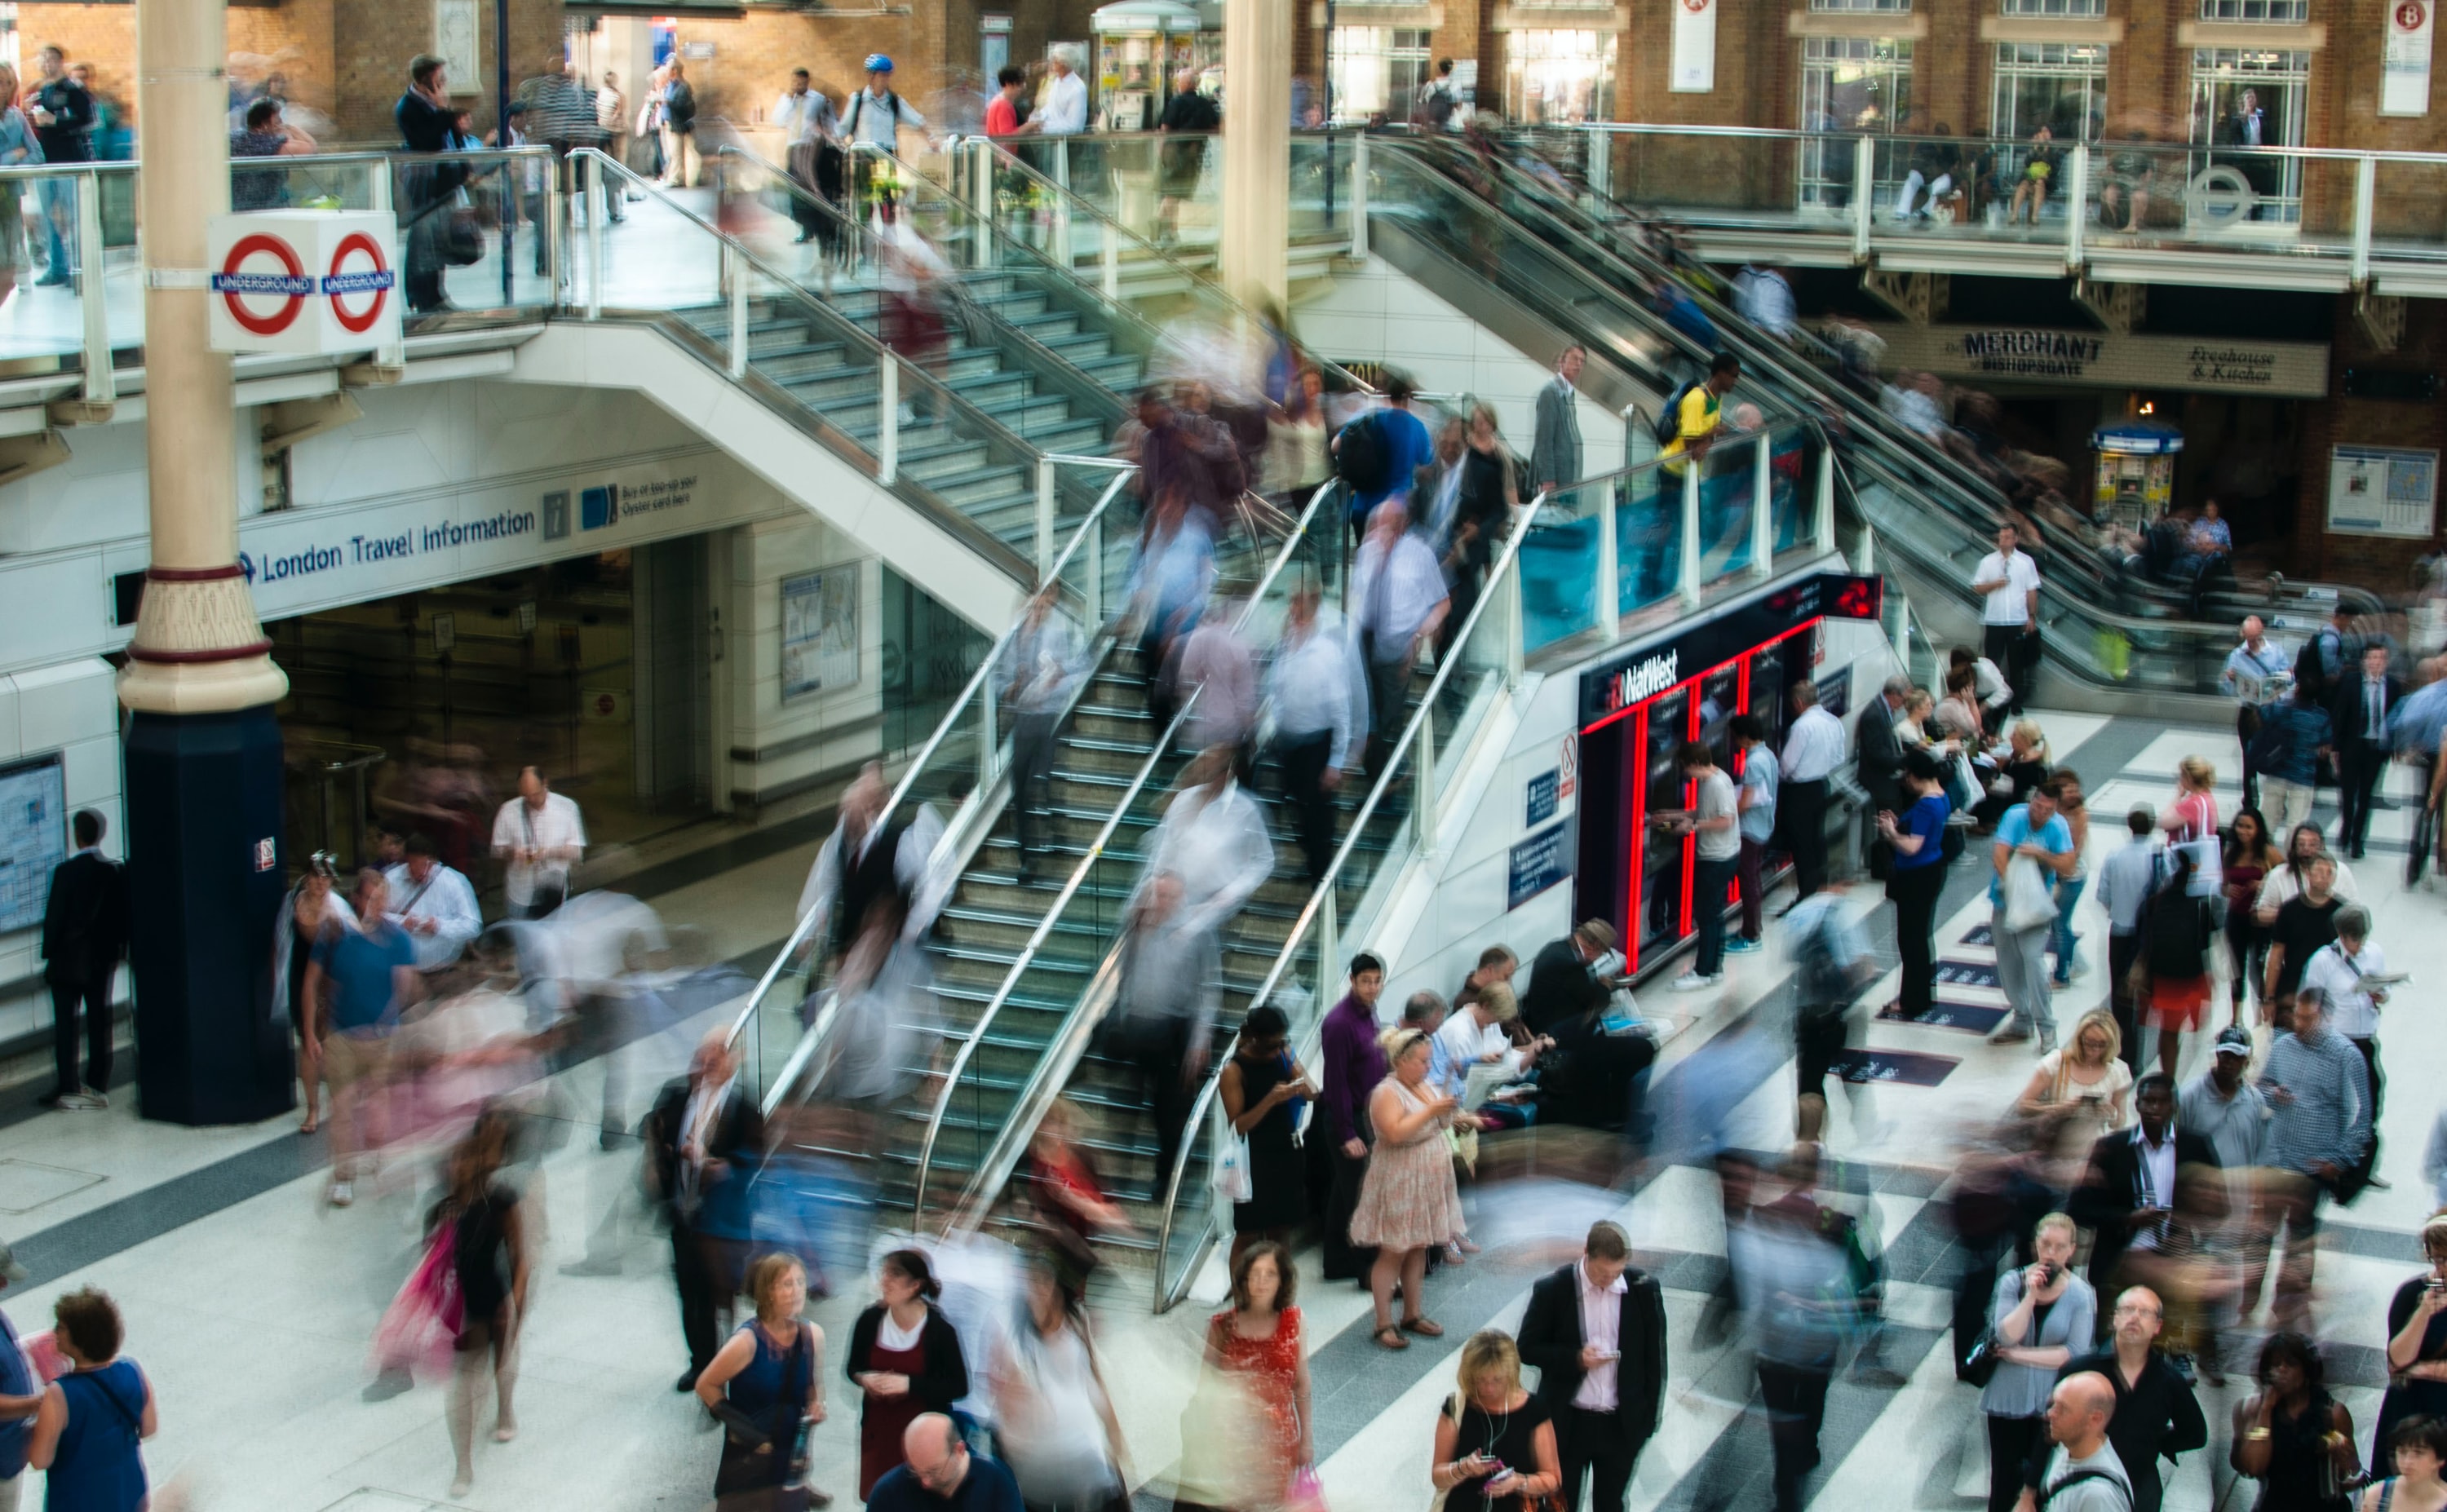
{"x": 262, "y": 300}
{"x": 358, "y": 269}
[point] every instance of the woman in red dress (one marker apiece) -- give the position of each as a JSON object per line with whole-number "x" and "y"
{"x": 906, "y": 1357}
{"x": 1254, "y": 1349}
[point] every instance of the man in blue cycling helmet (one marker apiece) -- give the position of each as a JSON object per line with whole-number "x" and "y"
{"x": 875, "y": 115}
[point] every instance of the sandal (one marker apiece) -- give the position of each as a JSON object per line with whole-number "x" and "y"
{"x": 1426, "y": 1327}
{"x": 1387, "y": 1338}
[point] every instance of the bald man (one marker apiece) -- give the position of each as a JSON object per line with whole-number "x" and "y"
{"x": 2154, "y": 1411}
{"x": 939, "y": 1474}
{"x": 2084, "y": 1475}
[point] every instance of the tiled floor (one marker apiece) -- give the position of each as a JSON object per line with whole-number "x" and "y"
{"x": 250, "y": 1310}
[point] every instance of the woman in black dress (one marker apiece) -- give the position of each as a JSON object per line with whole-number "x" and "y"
{"x": 2286, "y": 1430}
{"x": 2416, "y": 1340}
{"x": 1262, "y": 1088}
{"x": 1495, "y": 1446}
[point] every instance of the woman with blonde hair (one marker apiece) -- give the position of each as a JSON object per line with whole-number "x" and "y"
{"x": 2193, "y": 814}
{"x": 1496, "y": 1444}
{"x": 2086, "y": 1075}
{"x": 764, "y": 1387}
{"x": 18, "y": 148}
{"x": 2039, "y": 1316}
{"x": 1409, "y": 1199}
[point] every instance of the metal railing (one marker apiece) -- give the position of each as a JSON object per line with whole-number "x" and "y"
{"x": 984, "y": 1180}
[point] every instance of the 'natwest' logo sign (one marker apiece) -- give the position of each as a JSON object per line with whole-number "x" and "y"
{"x": 1647, "y": 679}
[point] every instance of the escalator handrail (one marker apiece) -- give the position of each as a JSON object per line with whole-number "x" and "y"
{"x": 1071, "y": 887}
{"x": 1148, "y": 251}
{"x": 804, "y": 926}
{"x": 984, "y": 427}
{"x": 1286, "y": 959}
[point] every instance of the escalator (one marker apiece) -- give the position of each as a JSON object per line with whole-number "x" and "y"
{"x": 2110, "y": 635}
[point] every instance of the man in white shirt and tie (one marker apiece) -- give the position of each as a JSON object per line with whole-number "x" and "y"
{"x": 2358, "y": 716}
{"x": 1813, "y": 749}
{"x": 1399, "y": 599}
{"x": 1596, "y": 1330}
{"x": 869, "y": 856}
{"x": 1319, "y": 699}
{"x": 2010, "y": 620}
{"x": 538, "y": 836}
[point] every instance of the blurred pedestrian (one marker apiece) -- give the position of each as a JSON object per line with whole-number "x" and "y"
{"x": 765, "y": 1385}
{"x": 2416, "y": 1340}
{"x": 1213, "y": 841}
{"x": 1170, "y": 575}
{"x": 1163, "y": 1022}
{"x": 1495, "y": 1442}
{"x": 312, "y": 907}
{"x": 1401, "y": 602}
{"x": 1482, "y": 517}
{"x": 1831, "y": 965}
{"x": 2128, "y": 1192}
{"x": 1319, "y": 698}
{"x": 358, "y": 983}
{"x": 937, "y": 1473}
{"x": 540, "y": 835}
{"x": 702, "y": 1139}
{"x": 906, "y": 1358}
{"x": 2295, "y": 740}
{"x": 1215, "y": 660}
{"x": 85, "y": 937}
{"x": 1054, "y": 1414}
{"x": 1792, "y": 1279}
{"x": 1060, "y": 1181}
{"x": 1354, "y": 1064}
{"x": 1261, "y": 1089}
{"x": 1409, "y": 1201}
{"x": 1596, "y": 1330}
{"x": 1814, "y": 746}
{"x": 2316, "y": 1081}
{"x": 2177, "y": 932}
{"x": 2292, "y": 1436}
{"x": 1042, "y": 674}
{"x": 1918, "y": 837}
{"x": 490, "y": 1254}
{"x": 89, "y": 1434}
{"x": 1261, "y": 1432}
{"x": 2032, "y": 834}
{"x": 1378, "y": 453}
{"x": 2038, "y": 1317}
{"x": 871, "y": 855}
{"x": 2127, "y": 881}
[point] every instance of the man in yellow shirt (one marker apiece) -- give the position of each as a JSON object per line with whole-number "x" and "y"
{"x": 1701, "y": 410}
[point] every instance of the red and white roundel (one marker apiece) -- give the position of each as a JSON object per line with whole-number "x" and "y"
{"x": 246, "y": 285}
{"x": 2410, "y": 15}
{"x": 372, "y": 276}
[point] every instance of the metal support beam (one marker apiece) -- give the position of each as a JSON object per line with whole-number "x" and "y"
{"x": 1822, "y": 519}
{"x": 1609, "y": 589}
{"x": 1865, "y": 193}
{"x": 1686, "y": 579}
{"x": 1763, "y": 507}
{"x": 2076, "y": 203}
{"x": 1359, "y": 195}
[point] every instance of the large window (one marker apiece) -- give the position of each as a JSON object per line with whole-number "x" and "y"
{"x": 1378, "y": 70}
{"x": 2060, "y": 86}
{"x": 2274, "y": 11}
{"x": 1556, "y": 77}
{"x": 2245, "y": 98}
{"x": 1903, "y": 5}
{"x": 1849, "y": 84}
{"x": 2055, "y": 8}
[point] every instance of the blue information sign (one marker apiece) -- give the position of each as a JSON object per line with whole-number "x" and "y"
{"x": 1538, "y": 863}
{"x": 1543, "y": 790}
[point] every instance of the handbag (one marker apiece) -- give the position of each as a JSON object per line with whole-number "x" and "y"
{"x": 2030, "y": 902}
{"x": 1979, "y": 1362}
{"x": 462, "y": 240}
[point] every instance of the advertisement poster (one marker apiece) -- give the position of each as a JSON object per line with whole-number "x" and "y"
{"x": 2382, "y": 491}
{"x": 33, "y": 838}
{"x": 819, "y": 631}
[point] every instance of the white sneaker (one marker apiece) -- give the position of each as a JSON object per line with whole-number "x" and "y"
{"x": 97, "y": 1098}
{"x": 1694, "y": 982}
{"x": 343, "y": 1192}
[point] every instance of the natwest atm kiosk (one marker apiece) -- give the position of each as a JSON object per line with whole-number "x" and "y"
{"x": 1637, "y": 708}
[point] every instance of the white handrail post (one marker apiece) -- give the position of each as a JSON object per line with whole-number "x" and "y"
{"x": 1687, "y": 577}
{"x": 1822, "y": 524}
{"x": 989, "y": 738}
{"x": 1423, "y": 780}
{"x": 2076, "y": 205}
{"x": 101, "y": 383}
{"x": 1865, "y": 193}
{"x": 597, "y": 199}
{"x": 1094, "y": 591}
{"x": 2366, "y": 196}
{"x": 1359, "y": 195}
{"x": 556, "y": 230}
{"x": 1601, "y": 162}
{"x": 981, "y": 197}
{"x": 888, "y": 433}
{"x": 735, "y": 274}
{"x": 1516, "y": 629}
{"x": 1609, "y": 589}
{"x": 1044, "y": 518}
{"x": 1111, "y": 257}
{"x": 1763, "y": 509}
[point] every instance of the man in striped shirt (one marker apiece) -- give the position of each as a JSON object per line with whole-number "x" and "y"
{"x": 2316, "y": 1082}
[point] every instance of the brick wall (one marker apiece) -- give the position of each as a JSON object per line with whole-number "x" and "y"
{"x": 2375, "y": 561}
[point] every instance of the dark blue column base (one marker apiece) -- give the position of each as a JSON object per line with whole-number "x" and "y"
{"x": 205, "y": 885}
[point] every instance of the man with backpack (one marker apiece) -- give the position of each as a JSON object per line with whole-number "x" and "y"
{"x": 1434, "y": 108}
{"x": 2249, "y": 669}
{"x": 2084, "y": 1473}
{"x": 1377, "y": 454}
{"x": 2294, "y": 737}
{"x": 874, "y": 118}
{"x": 1684, "y": 430}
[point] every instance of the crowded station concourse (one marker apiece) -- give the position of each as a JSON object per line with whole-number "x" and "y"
{"x": 1020, "y": 761}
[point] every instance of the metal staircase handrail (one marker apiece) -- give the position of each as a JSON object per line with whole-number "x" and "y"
{"x": 1071, "y": 887}
{"x": 978, "y": 680}
{"x": 1287, "y": 957}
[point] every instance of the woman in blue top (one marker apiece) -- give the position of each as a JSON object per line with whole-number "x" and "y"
{"x": 93, "y": 1418}
{"x": 1918, "y": 837}
{"x": 763, "y": 1387}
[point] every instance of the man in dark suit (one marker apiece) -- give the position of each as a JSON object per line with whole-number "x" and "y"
{"x": 1596, "y": 1330}
{"x": 85, "y": 937}
{"x": 1880, "y": 752}
{"x": 2358, "y": 710}
{"x": 703, "y": 1139}
{"x": 2129, "y": 1192}
{"x": 1555, "y": 451}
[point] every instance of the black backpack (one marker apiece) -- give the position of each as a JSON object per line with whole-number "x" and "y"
{"x": 2270, "y": 743}
{"x": 1669, "y": 420}
{"x": 1359, "y": 457}
{"x": 2079, "y": 1476}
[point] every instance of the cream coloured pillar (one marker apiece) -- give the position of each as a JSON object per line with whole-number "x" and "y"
{"x": 198, "y": 648}
{"x": 1257, "y": 150}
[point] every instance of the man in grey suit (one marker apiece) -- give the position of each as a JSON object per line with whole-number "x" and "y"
{"x": 1555, "y": 455}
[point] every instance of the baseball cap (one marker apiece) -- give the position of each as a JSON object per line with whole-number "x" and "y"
{"x": 2235, "y": 1040}
{"x": 10, "y": 1270}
